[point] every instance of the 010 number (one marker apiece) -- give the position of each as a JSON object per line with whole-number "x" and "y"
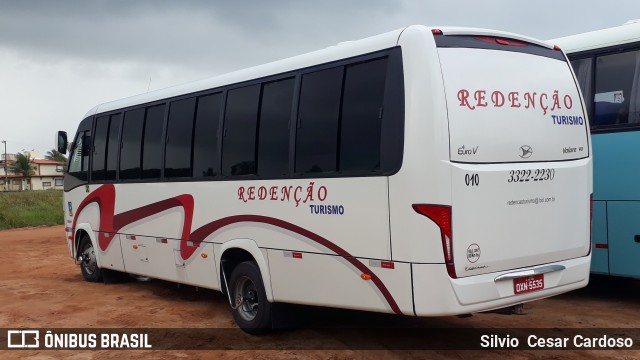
{"x": 472, "y": 179}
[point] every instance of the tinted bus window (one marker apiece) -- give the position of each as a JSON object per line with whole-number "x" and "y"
{"x": 317, "y": 135}
{"x": 205, "y": 136}
{"x": 177, "y": 161}
{"x": 361, "y": 118}
{"x": 273, "y": 138}
{"x": 583, "y": 68}
{"x": 113, "y": 145}
{"x": 98, "y": 161}
{"x": 131, "y": 144}
{"x": 79, "y": 163}
{"x": 617, "y": 96}
{"x": 239, "y": 143}
{"x": 152, "y": 144}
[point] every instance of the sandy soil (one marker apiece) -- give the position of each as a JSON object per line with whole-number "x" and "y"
{"x": 41, "y": 287}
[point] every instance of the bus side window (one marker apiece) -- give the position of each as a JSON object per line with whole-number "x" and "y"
{"x": 79, "y": 164}
{"x": 205, "y": 136}
{"x": 113, "y": 146}
{"x": 177, "y": 160}
{"x": 583, "y": 68}
{"x": 318, "y": 121}
{"x": 617, "y": 90}
{"x": 361, "y": 120}
{"x": 99, "y": 148}
{"x": 240, "y": 125}
{"x": 130, "y": 159}
{"x": 273, "y": 129}
{"x": 152, "y": 142}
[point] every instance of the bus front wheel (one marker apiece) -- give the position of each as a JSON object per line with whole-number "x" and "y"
{"x": 250, "y": 308}
{"x": 88, "y": 263}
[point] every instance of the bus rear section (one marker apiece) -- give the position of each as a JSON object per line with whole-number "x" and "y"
{"x": 517, "y": 227}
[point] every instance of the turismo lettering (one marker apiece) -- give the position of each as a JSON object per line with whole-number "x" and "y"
{"x": 290, "y": 193}
{"x": 327, "y": 209}
{"x": 514, "y": 99}
{"x": 567, "y": 120}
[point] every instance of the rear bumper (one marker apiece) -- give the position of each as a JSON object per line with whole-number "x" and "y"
{"x": 435, "y": 293}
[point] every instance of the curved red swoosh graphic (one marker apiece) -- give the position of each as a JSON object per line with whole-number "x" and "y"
{"x": 110, "y": 223}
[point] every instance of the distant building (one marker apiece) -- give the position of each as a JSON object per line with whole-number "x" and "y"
{"x": 47, "y": 174}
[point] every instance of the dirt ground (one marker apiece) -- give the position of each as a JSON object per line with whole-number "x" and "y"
{"x": 40, "y": 287}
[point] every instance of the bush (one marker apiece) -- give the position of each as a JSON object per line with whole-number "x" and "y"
{"x": 31, "y": 208}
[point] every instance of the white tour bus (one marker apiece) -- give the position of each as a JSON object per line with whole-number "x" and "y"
{"x": 419, "y": 172}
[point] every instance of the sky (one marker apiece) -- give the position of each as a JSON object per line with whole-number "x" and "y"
{"x": 59, "y": 58}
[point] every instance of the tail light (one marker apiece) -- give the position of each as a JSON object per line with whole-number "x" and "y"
{"x": 441, "y": 216}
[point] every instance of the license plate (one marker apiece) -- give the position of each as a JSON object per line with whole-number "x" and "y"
{"x": 528, "y": 284}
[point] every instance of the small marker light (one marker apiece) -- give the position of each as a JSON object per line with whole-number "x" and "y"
{"x": 436, "y": 31}
{"x": 135, "y": 247}
{"x": 365, "y": 276}
{"x": 204, "y": 256}
{"x": 556, "y": 47}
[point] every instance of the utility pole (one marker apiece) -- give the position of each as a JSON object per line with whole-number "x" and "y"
{"x": 5, "y": 165}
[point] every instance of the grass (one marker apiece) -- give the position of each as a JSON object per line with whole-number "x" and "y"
{"x": 30, "y": 208}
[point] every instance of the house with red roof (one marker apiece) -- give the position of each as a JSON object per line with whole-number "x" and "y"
{"x": 47, "y": 174}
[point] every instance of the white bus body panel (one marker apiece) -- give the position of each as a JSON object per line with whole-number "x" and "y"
{"x": 425, "y": 174}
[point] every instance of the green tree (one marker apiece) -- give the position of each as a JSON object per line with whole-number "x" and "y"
{"x": 53, "y": 154}
{"x": 22, "y": 166}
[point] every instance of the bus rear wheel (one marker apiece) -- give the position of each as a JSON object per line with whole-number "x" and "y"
{"x": 88, "y": 262}
{"x": 251, "y": 310}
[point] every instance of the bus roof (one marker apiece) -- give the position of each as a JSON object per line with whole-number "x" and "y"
{"x": 332, "y": 53}
{"x": 623, "y": 34}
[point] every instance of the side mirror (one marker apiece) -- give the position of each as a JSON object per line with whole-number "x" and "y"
{"x": 61, "y": 142}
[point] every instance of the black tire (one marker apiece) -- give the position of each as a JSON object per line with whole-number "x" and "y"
{"x": 253, "y": 311}
{"x": 89, "y": 265}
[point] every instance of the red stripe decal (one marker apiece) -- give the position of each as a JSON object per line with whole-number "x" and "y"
{"x": 208, "y": 229}
{"x": 110, "y": 224}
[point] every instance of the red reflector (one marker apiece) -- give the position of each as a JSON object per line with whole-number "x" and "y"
{"x": 602, "y": 246}
{"x": 556, "y": 47}
{"x": 387, "y": 265}
{"x": 132, "y": 237}
{"x": 164, "y": 241}
{"x": 297, "y": 255}
{"x": 436, "y": 31}
{"x": 590, "y": 216}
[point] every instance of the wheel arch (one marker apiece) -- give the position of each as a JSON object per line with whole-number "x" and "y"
{"x": 234, "y": 252}
{"x": 81, "y": 230}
